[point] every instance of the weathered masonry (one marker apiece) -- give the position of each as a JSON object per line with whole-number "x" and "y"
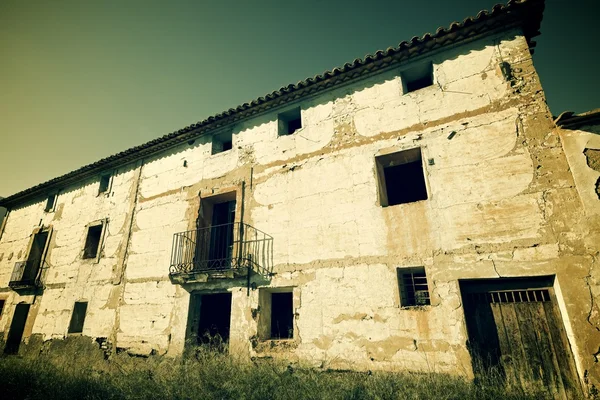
{"x": 418, "y": 209}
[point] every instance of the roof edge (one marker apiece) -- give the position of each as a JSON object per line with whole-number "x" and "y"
{"x": 568, "y": 119}
{"x": 524, "y": 13}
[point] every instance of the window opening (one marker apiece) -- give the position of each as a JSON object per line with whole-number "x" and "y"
{"x": 417, "y": 77}
{"x": 289, "y": 121}
{"x": 401, "y": 177}
{"x": 78, "y": 317}
{"x": 222, "y": 142}
{"x": 413, "y": 287}
{"x": 282, "y": 315}
{"x": 2, "y": 307}
{"x": 92, "y": 241}
{"x": 50, "y": 203}
{"x": 104, "y": 184}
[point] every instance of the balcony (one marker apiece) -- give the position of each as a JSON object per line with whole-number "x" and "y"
{"x": 221, "y": 251}
{"x": 26, "y": 276}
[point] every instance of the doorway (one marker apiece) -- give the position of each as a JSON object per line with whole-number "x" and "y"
{"x": 221, "y": 233}
{"x": 17, "y": 327}
{"x": 515, "y": 329}
{"x": 209, "y": 319}
{"x": 35, "y": 257}
{"x": 215, "y": 232}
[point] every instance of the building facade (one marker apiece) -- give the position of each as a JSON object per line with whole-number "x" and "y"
{"x": 416, "y": 210}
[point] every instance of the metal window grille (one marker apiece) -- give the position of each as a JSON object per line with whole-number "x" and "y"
{"x": 413, "y": 287}
{"x": 513, "y": 296}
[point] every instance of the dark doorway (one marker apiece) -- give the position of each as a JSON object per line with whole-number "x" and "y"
{"x": 17, "y": 327}
{"x": 213, "y": 316}
{"x": 34, "y": 260}
{"x": 516, "y": 329}
{"x": 221, "y": 234}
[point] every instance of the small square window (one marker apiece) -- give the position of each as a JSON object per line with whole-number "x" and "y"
{"x": 417, "y": 77}
{"x": 78, "y": 317}
{"x": 413, "y": 287}
{"x": 222, "y": 142}
{"x": 289, "y": 121}
{"x": 92, "y": 241}
{"x": 104, "y": 184}
{"x": 51, "y": 202}
{"x": 401, "y": 177}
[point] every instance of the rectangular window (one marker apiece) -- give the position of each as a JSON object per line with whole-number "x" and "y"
{"x": 50, "y": 202}
{"x": 282, "y": 315}
{"x": 413, "y": 287}
{"x": 104, "y": 184}
{"x": 222, "y": 142}
{"x": 276, "y": 314}
{"x": 417, "y": 77}
{"x": 2, "y": 307}
{"x": 78, "y": 317}
{"x": 401, "y": 177}
{"x": 289, "y": 121}
{"x": 92, "y": 241}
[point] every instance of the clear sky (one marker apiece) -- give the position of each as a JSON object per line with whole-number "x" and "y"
{"x": 81, "y": 80}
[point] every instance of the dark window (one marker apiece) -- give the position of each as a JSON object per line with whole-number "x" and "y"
{"x": 92, "y": 241}
{"x": 401, "y": 178}
{"x": 222, "y": 142}
{"x": 282, "y": 315}
{"x": 78, "y": 317}
{"x": 289, "y": 121}
{"x": 50, "y": 202}
{"x": 413, "y": 287}
{"x": 104, "y": 183}
{"x": 417, "y": 77}
{"x": 2, "y": 306}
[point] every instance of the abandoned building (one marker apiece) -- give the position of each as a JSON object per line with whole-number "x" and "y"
{"x": 417, "y": 209}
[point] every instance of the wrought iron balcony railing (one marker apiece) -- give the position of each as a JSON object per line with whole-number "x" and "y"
{"x": 25, "y": 275}
{"x": 220, "y": 248}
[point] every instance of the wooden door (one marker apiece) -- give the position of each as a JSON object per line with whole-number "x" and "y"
{"x": 519, "y": 332}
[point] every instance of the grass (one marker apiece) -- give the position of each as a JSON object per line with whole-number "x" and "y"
{"x": 73, "y": 371}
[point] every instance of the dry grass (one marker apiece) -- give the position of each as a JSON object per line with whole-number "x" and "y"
{"x": 72, "y": 371}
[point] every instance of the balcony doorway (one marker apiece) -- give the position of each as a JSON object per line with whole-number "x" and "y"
{"x": 214, "y": 241}
{"x": 220, "y": 248}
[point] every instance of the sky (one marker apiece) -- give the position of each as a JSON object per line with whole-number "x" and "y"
{"x": 81, "y": 80}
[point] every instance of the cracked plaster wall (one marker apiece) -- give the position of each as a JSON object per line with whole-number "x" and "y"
{"x": 501, "y": 202}
{"x": 582, "y": 149}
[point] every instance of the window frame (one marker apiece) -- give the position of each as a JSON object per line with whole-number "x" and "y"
{"x": 265, "y": 323}
{"x": 416, "y": 73}
{"x": 395, "y": 158}
{"x": 108, "y": 189}
{"x": 52, "y": 207}
{"x": 83, "y": 318}
{"x": 218, "y": 141}
{"x": 103, "y": 223}
{"x": 284, "y": 118}
{"x": 406, "y": 300}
